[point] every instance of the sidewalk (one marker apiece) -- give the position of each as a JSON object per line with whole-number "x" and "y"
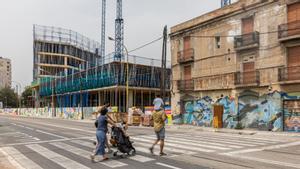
{"x": 232, "y": 131}
{"x": 190, "y": 128}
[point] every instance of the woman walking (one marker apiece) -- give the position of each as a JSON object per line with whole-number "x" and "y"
{"x": 101, "y": 134}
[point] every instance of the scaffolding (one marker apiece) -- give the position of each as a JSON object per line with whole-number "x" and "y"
{"x": 57, "y": 49}
{"x": 110, "y": 79}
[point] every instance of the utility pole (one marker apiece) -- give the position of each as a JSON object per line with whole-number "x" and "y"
{"x": 163, "y": 64}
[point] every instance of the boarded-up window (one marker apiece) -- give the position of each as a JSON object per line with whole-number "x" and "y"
{"x": 294, "y": 19}
{"x": 294, "y": 12}
{"x": 187, "y": 72}
{"x": 186, "y": 43}
{"x": 247, "y": 25}
{"x": 249, "y": 74}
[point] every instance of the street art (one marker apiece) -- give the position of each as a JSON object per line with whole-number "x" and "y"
{"x": 261, "y": 112}
{"x": 292, "y": 115}
{"x": 198, "y": 112}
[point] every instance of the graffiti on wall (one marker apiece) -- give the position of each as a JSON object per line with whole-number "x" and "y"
{"x": 261, "y": 112}
{"x": 198, "y": 112}
{"x": 292, "y": 115}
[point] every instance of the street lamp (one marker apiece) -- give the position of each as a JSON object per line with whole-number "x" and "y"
{"x": 127, "y": 74}
{"x": 53, "y": 91}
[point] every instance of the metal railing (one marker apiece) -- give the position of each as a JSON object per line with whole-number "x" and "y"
{"x": 288, "y": 29}
{"x": 289, "y": 73}
{"x": 186, "y": 55}
{"x": 185, "y": 85}
{"x": 246, "y": 39}
{"x": 247, "y": 78}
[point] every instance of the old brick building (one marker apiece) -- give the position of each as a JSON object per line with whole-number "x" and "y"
{"x": 249, "y": 48}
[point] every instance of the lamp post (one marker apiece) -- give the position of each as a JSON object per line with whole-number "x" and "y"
{"x": 53, "y": 91}
{"x": 127, "y": 74}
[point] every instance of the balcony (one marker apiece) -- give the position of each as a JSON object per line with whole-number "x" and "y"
{"x": 185, "y": 85}
{"x": 289, "y": 31}
{"x": 246, "y": 41}
{"x": 289, "y": 74}
{"x": 244, "y": 79}
{"x": 214, "y": 82}
{"x": 185, "y": 56}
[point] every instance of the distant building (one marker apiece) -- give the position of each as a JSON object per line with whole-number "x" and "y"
{"x": 249, "y": 45}
{"x": 69, "y": 73}
{"x": 5, "y": 72}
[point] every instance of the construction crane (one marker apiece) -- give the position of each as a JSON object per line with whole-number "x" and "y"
{"x": 103, "y": 26}
{"x": 119, "y": 32}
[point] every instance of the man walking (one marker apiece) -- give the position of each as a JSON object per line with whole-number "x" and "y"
{"x": 159, "y": 117}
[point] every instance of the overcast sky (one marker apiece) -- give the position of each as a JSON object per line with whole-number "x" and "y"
{"x": 144, "y": 21}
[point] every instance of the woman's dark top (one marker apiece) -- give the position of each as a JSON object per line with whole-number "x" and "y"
{"x": 102, "y": 123}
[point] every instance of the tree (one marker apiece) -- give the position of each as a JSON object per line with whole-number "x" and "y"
{"x": 9, "y": 98}
{"x": 27, "y": 97}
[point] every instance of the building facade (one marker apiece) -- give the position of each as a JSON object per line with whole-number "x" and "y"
{"x": 5, "y": 72}
{"x": 245, "y": 57}
{"x": 60, "y": 52}
{"x": 69, "y": 74}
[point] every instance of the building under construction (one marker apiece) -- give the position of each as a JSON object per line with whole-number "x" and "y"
{"x": 69, "y": 72}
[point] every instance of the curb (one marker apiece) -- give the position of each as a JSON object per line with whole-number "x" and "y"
{"x": 190, "y": 128}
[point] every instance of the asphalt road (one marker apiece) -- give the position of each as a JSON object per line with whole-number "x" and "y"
{"x": 34, "y": 143}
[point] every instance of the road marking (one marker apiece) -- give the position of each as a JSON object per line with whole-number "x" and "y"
{"x": 86, "y": 154}
{"x": 59, "y": 126}
{"x": 48, "y": 141}
{"x": 10, "y": 133}
{"x": 18, "y": 159}
{"x": 57, "y": 158}
{"x": 204, "y": 142}
{"x": 11, "y": 160}
{"x": 29, "y": 128}
{"x": 51, "y": 134}
{"x": 192, "y": 144}
{"x": 254, "y": 138}
{"x": 230, "y": 142}
{"x": 84, "y": 143}
{"x": 141, "y": 159}
{"x": 262, "y": 148}
{"x": 177, "y": 145}
{"x": 166, "y": 165}
{"x": 268, "y": 161}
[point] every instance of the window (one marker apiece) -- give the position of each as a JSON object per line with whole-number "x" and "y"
{"x": 218, "y": 42}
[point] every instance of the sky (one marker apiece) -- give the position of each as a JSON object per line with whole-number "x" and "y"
{"x": 143, "y": 22}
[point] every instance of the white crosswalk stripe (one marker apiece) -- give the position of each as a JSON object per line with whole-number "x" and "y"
{"x": 84, "y": 143}
{"x": 175, "y": 144}
{"x": 141, "y": 159}
{"x": 86, "y": 154}
{"x": 191, "y": 148}
{"x": 174, "y": 140}
{"x": 17, "y": 158}
{"x": 56, "y": 158}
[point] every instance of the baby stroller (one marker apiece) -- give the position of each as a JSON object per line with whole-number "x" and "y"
{"x": 121, "y": 141}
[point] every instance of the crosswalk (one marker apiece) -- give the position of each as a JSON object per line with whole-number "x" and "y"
{"x": 175, "y": 145}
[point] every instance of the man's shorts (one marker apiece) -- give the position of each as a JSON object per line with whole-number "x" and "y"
{"x": 160, "y": 134}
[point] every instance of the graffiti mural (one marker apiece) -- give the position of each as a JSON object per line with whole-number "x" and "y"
{"x": 292, "y": 115}
{"x": 198, "y": 112}
{"x": 261, "y": 112}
